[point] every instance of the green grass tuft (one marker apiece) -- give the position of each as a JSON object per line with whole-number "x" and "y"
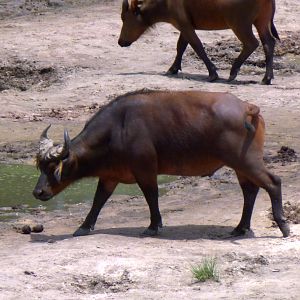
{"x": 206, "y": 270}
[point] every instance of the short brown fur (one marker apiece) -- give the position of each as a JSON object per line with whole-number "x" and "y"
{"x": 190, "y": 15}
{"x": 143, "y": 134}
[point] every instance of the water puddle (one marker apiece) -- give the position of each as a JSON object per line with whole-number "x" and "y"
{"x": 18, "y": 181}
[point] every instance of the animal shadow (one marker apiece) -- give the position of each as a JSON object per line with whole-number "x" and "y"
{"x": 182, "y": 232}
{"x": 189, "y": 76}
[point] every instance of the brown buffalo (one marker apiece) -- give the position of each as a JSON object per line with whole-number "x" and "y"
{"x": 142, "y": 134}
{"x": 190, "y": 15}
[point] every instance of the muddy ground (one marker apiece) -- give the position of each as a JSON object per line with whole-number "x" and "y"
{"x": 59, "y": 63}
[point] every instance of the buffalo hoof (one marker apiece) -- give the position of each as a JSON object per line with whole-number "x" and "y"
{"x": 231, "y": 77}
{"x": 150, "y": 232}
{"x": 266, "y": 81}
{"x": 81, "y": 231}
{"x": 213, "y": 77}
{"x": 245, "y": 232}
{"x": 285, "y": 229}
{"x": 172, "y": 71}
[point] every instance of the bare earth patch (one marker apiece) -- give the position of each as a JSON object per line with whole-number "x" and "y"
{"x": 60, "y": 63}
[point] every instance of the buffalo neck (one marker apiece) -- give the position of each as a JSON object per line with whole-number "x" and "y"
{"x": 88, "y": 151}
{"x": 155, "y": 12}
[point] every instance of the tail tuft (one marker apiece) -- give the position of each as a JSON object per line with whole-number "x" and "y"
{"x": 249, "y": 126}
{"x": 252, "y": 111}
{"x": 274, "y": 31}
{"x": 273, "y": 28}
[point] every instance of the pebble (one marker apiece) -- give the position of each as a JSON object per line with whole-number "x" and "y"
{"x": 38, "y": 228}
{"x": 26, "y": 229}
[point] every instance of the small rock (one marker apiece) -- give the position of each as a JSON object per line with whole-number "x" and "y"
{"x": 30, "y": 273}
{"x": 38, "y": 228}
{"x": 26, "y": 229}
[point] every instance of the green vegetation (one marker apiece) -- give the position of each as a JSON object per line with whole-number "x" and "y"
{"x": 206, "y": 270}
{"x": 18, "y": 181}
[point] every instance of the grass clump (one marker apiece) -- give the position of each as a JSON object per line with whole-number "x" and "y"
{"x": 206, "y": 270}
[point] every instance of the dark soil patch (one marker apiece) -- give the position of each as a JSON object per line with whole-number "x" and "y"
{"x": 58, "y": 113}
{"x": 69, "y": 113}
{"x": 283, "y": 156}
{"x": 17, "y": 151}
{"x": 289, "y": 44}
{"x": 291, "y": 212}
{"x": 223, "y": 53}
{"x": 22, "y": 75}
{"x": 12, "y": 8}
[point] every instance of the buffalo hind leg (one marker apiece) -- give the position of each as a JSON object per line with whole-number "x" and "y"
{"x": 274, "y": 191}
{"x": 268, "y": 42}
{"x": 250, "y": 43}
{"x": 261, "y": 177}
{"x": 250, "y": 191}
{"x": 181, "y": 46}
{"x": 103, "y": 192}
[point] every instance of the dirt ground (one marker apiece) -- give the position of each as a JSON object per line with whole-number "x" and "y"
{"x": 59, "y": 63}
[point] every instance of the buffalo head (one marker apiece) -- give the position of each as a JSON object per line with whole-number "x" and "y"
{"x": 134, "y": 24}
{"x": 55, "y": 164}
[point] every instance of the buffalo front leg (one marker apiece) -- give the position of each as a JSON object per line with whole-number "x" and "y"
{"x": 103, "y": 192}
{"x": 148, "y": 185}
{"x": 250, "y": 191}
{"x": 181, "y": 46}
{"x": 151, "y": 195}
{"x": 191, "y": 37}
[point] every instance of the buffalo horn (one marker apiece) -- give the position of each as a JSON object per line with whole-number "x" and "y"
{"x": 45, "y": 143}
{"x": 67, "y": 143}
{"x": 59, "y": 152}
{"x": 44, "y": 133}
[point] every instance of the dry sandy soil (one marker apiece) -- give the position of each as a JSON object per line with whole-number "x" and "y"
{"x": 59, "y": 63}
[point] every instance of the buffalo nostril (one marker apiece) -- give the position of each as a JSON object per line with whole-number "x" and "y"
{"x": 37, "y": 192}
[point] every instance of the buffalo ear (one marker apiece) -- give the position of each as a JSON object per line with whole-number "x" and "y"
{"x": 58, "y": 171}
{"x": 65, "y": 168}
